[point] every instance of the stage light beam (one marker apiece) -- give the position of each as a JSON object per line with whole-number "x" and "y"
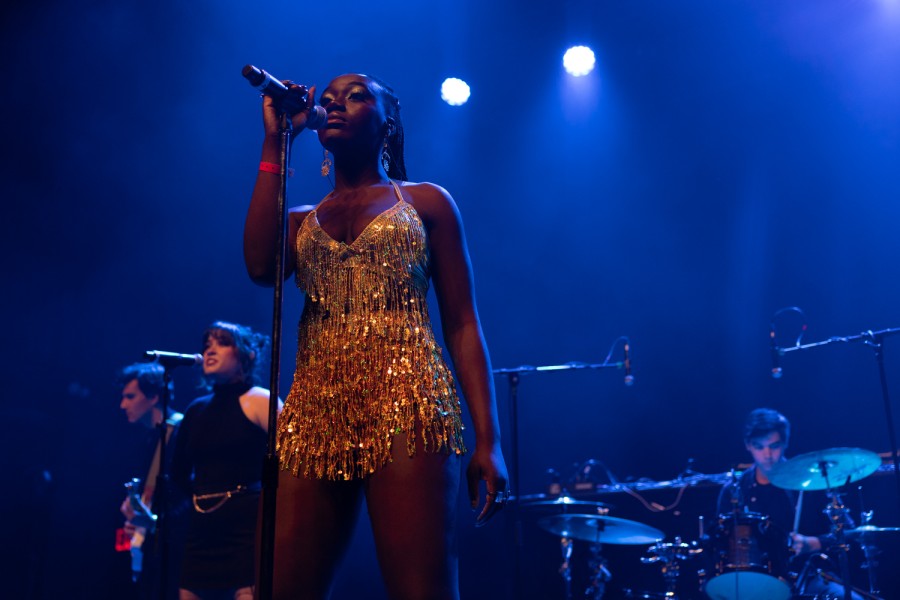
{"x": 455, "y": 92}
{"x": 579, "y": 60}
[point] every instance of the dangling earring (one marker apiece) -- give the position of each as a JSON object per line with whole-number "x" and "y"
{"x": 326, "y": 164}
{"x": 386, "y": 158}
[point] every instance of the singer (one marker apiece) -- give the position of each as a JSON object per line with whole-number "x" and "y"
{"x": 373, "y": 410}
{"x": 217, "y": 459}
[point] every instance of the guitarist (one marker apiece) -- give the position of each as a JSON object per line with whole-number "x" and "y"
{"x": 142, "y": 384}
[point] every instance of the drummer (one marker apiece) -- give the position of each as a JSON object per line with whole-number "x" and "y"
{"x": 766, "y": 436}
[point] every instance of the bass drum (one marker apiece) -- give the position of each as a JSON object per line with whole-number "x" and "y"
{"x": 749, "y": 556}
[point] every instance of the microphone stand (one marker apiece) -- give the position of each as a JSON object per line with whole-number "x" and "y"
{"x": 513, "y": 375}
{"x": 270, "y": 462}
{"x": 162, "y": 488}
{"x": 875, "y": 340}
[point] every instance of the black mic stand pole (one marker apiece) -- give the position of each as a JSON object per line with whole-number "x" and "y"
{"x": 513, "y": 376}
{"x": 162, "y": 489}
{"x": 875, "y": 340}
{"x": 270, "y": 463}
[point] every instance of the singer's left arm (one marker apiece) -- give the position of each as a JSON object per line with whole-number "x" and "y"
{"x": 454, "y": 289}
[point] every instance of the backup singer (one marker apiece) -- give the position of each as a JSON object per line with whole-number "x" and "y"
{"x": 218, "y": 459}
{"x": 373, "y": 411}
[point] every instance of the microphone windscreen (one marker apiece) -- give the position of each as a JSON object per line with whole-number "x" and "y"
{"x": 317, "y": 118}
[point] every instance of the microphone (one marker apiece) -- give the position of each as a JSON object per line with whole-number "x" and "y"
{"x": 287, "y": 101}
{"x": 173, "y": 359}
{"x": 629, "y": 378}
{"x": 776, "y": 354}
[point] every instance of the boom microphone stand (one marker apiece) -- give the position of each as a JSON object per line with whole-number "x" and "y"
{"x": 513, "y": 375}
{"x": 168, "y": 360}
{"x": 873, "y": 339}
{"x": 162, "y": 489}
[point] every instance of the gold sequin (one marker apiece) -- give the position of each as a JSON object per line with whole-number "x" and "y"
{"x": 368, "y": 367}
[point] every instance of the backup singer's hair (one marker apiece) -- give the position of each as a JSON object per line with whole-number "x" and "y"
{"x": 763, "y": 421}
{"x": 250, "y": 345}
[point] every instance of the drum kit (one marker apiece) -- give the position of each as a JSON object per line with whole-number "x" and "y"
{"x": 743, "y": 556}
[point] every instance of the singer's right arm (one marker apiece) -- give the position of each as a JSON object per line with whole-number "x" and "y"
{"x": 261, "y": 225}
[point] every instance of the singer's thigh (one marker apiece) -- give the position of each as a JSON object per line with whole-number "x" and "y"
{"x": 313, "y": 525}
{"x": 412, "y": 505}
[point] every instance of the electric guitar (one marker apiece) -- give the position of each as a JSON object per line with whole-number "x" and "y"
{"x": 144, "y": 522}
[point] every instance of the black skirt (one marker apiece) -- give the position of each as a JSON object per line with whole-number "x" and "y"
{"x": 220, "y": 548}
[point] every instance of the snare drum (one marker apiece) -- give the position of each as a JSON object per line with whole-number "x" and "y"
{"x": 749, "y": 556}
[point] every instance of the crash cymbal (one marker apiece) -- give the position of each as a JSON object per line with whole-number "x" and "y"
{"x": 562, "y": 502}
{"x": 602, "y": 529}
{"x": 870, "y": 530}
{"x": 808, "y": 471}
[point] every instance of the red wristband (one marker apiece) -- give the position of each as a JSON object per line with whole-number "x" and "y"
{"x": 274, "y": 168}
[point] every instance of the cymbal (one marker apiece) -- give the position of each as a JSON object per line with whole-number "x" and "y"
{"x": 808, "y": 471}
{"x": 564, "y": 501}
{"x": 870, "y": 530}
{"x": 602, "y": 529}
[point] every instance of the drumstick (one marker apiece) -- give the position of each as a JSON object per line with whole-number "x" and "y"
{"x": 797, "y": 510}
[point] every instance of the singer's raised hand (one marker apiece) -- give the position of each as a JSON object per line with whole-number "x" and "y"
{"x": 272, "y": 117}
{"x": 260, "y": 233}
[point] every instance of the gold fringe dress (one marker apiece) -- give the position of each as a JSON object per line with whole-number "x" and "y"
{"x": 368, "y": 366}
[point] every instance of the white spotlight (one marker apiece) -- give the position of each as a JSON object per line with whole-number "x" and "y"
{"x": 579, "y": 60}
{"x": 455, "y": 92}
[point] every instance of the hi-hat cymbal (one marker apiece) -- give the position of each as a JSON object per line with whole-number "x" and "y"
{"x": 824, "y": 469}
{"x": 867, "y": 530}
{"x": 564, "y": 501}
{"x": 601, "y": 529}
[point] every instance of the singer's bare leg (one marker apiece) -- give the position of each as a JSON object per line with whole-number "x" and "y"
{"x": 412, "y": 507}
{"x": 314, "y": 524}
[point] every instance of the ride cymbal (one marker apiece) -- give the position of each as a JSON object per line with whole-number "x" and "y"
{"x": 824, "y": 469}
{"x": 563, "y": 501}
{"x": 601, "y": 529}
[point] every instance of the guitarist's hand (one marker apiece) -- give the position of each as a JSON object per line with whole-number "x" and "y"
{"x": 129, "y": 529}
{"x": 127, "y": 510}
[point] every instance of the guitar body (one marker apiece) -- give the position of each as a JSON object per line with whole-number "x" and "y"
{"x": 144, "y": 521}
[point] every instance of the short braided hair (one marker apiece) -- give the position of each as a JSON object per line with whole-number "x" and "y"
{"x": 397, "y": 169}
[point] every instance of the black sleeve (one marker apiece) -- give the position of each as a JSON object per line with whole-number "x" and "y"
{"x": 727, "y": 495}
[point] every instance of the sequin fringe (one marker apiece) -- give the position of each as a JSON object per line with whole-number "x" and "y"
{"x": 368, "y": 367}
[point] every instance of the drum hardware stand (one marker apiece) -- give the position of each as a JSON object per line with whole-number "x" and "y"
{"x": 669, "y": 556}
{"x": 873, "y": 339}
{"x": 826, "y": 576}
{"x": 513, "y": 375}
{"x": 870, "y": 551}
{"x": 565, "y": 569}
{"x": 838, "y": 514}
{"x": 600, "y": 575}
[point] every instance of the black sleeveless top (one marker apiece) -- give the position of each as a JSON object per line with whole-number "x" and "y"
{"x": 217, "y": 447}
